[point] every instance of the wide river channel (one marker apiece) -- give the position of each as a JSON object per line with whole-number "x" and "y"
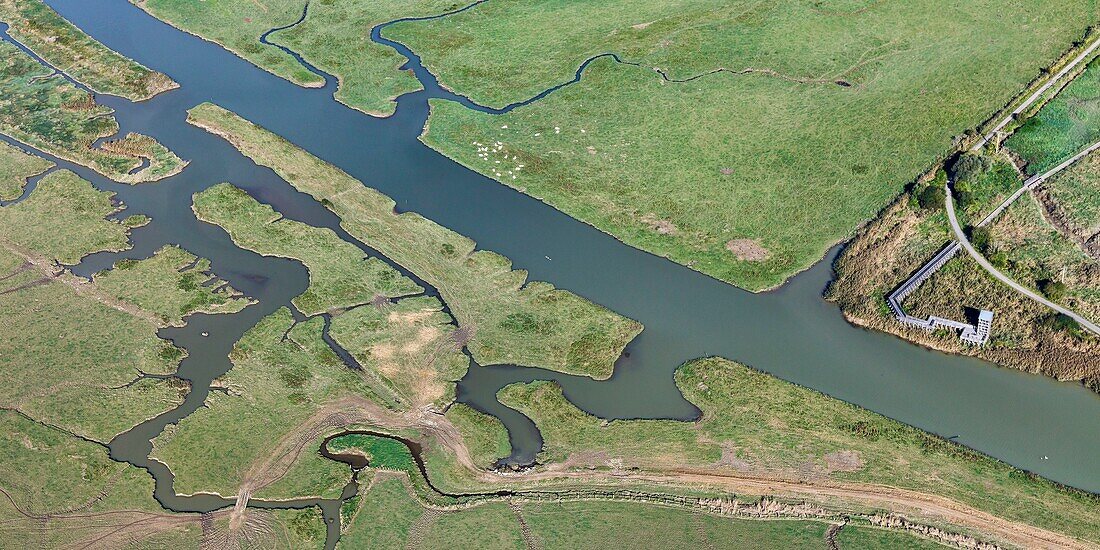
{"x": 1032, "y": 422}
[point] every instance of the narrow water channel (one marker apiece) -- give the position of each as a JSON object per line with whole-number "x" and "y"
{"x": 792, "y": 332}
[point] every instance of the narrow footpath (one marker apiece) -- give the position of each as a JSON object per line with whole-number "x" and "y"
{"x": 961, "y": 236}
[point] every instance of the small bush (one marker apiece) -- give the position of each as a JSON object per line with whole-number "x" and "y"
{"x": 964, "y": 193}
{"x": 188, "y": 282}
{"x": 981, "y": 239}
{"x": 999, "y": 259}
{"x": 1061, "y": 322}
{"x": 295, "y": 377}
{"x": 1055, "y": 291}
{"x": 968, "y": 167}
{"x": 521, "y": 323}
{"x": 932, "y": 197}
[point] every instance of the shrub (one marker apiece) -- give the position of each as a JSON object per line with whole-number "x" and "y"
{"x": 999, "y": 259}
{"x": 188, "y": 282}
{"x": 1053, "y": 290}
{"x": 932, "y": 197}
{"x": 295, "y": 377}
{"x": 968, "y": 167}
{"x": 1061, "y": 322}
{"x": 981, "y": 239}
{"x": 964, "y": 192}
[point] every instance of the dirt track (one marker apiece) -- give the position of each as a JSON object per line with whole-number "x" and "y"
{"x": 915, "y": 505}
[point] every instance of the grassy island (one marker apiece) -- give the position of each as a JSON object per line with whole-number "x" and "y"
{"x": 46, "y": 111}
{"x": 340, "y": 274}
{"x": 35, "y": 25}
{"x": 16, "y": 167}
{"x": 172, "y": 284}
{"x": 334, "y": 37}
{"x": 505, "y": 318}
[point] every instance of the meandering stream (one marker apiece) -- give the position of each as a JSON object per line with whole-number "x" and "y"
{"x": 1029, "y": 421}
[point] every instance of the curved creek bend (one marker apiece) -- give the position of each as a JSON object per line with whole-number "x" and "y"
{"x": 791, "y": 333}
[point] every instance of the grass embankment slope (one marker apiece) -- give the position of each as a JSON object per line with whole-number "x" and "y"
{"x": 387, "y": 516}
{"x": 1068, "y": 123}
{"x": 759, "y": 426}
{"x": 45, "y": 111}
{"x": 484, "y": 435}
{"x": 73, "y": 351}
{"x": 903, "y": 238}
{"x": 15, "y": 168}
{"x": 750, "y": 173}
{"x": 1040, "y": 257}
{"x": 505, "y": 318}
{"x": 1071, "y": 201}
{"x": 38, "y": 27}
{"x": 340, "y": 274}
{"x": 334, "y": 37}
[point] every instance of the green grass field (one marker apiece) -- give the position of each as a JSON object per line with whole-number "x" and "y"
{"x": 380, "y": 452}
{"x": 1065, "y": 125}
{"x": 33, "y": 223}
{"x": 1077, "y": 193}
{"x": 15, "y": 167}
{"x": 340, "y": 275}
{"x": 746, "y": 177}
{"x": 757, "y": 425}
{"x": 409, "y": 345}
{"x": 484, "y": 435}
{"x": 173, "y": 283}
{"x": 94, "y": 348}
{"x": 298, "y": 529}
{"x": 1038, "y": 254}
{"x": 383, "y": 518}
{"x": 51, "y": 114}
{"x": 45, "y": 471}
{"x": 335, "y": 37}
{"x": 1071, "y": 203}
{"x": 310, "y": 475}
{"x": 274, "y": 386}
{"x": 37, "y": 26}
{"x": 627, "y": 525}
{"x": 506, "y": 318}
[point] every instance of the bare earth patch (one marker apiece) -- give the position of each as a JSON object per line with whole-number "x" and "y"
{"x": 587, "y": 459}
{"x": 730, "y": 459}
{"x": 664, "y": 227}
{"x": 844, "y": 461}
{"x": 748, "y": 250}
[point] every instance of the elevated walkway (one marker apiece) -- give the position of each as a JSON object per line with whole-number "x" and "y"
{"x": 971, "y": 334}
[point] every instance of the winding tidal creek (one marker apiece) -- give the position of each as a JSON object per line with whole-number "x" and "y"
{"x": 1029, "y": 421}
